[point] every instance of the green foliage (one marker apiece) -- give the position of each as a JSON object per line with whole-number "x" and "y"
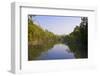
{"x": 77, "y": 40}
{"x": 37, "y": 35}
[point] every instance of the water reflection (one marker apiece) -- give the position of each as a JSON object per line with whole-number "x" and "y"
{"x": 49, "y": 51}
{"x": 59, "y": 51}
{"x": 79, "y": 50}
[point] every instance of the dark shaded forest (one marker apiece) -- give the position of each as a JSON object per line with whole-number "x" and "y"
{"x": 76, "y": 40}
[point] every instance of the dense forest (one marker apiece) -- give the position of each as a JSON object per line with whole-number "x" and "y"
{"x": 39, "y": 36}
{"x": 76, "y": 40}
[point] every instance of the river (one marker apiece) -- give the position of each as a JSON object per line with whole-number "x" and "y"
{"x": 56, "y": 51}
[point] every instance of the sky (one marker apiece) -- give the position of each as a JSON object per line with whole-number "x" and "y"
{"x": 59, "y": 25}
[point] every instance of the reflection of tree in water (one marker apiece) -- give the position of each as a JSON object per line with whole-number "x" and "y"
{"x": 79, "y": 52}
{"x": 35, "y": 51}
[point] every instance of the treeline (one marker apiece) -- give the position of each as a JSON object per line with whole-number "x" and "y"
{"x": 37, "y": 35}
{"x": 78, "y": 39}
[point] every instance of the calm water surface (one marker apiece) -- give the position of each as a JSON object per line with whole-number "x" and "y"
{"x": 58, "y": 51}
